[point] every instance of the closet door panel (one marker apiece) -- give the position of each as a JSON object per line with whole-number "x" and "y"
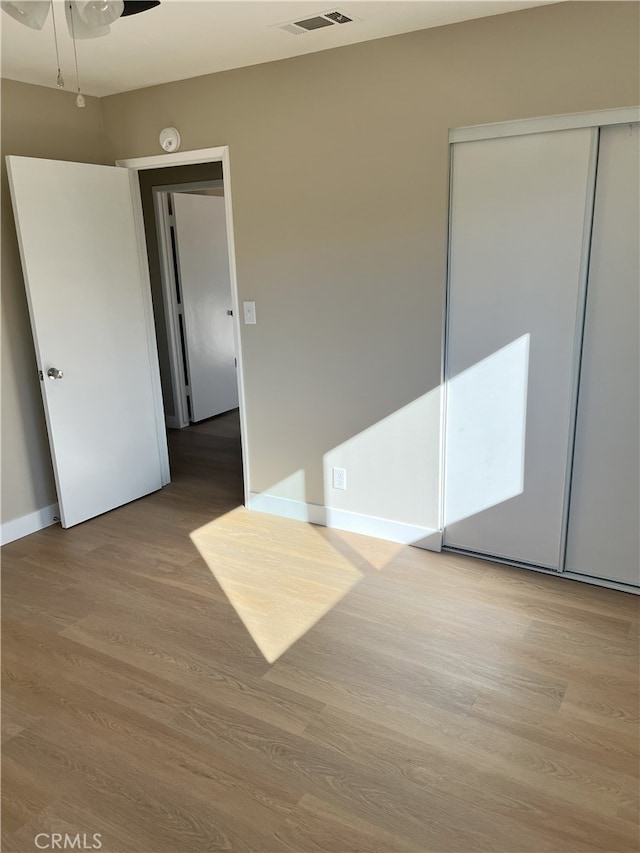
{"x": 604, "y": 515}
{"x": 520, "y": 207}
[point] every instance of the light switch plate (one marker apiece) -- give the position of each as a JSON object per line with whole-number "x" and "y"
{"x": 249, "y": 312}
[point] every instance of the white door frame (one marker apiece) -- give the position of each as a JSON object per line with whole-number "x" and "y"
{"x": 160, "y": 194}
{"x": 168, "y": 274}
{"x": 182, "y": 158}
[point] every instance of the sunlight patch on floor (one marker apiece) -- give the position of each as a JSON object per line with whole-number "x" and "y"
{"x": 279, "y": 575}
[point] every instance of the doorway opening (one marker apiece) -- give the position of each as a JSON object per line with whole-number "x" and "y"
{"x": 186, "y": 216}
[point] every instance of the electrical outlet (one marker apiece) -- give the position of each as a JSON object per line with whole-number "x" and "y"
{"x": 340, "y": 479}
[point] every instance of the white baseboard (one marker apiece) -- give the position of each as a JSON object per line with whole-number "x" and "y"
{"x": 27, "y": 524}
{"x": 353, "y": 522}
{"x": 172, "y": 422}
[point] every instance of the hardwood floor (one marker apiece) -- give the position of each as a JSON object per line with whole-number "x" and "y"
{"x": 413, "y": 702}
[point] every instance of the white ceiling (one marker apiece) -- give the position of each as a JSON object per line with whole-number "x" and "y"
{"x": 187, "y": 38}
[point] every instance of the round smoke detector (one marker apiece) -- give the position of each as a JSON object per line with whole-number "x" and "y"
{"x": 170, "y": 139}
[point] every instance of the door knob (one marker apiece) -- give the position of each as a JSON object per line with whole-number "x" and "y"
{"x": 230, "y": 312}
{"x": 54, "y": 373}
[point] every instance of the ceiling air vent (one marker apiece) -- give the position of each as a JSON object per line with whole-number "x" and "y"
{"x": 338, "y": 18}
{"x": 314, "y": 23}
{"x": 318, "y": 22}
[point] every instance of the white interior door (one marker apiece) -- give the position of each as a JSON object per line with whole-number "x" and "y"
{"x": 603, "y": 534}
{"x": 519, "y": 223}
{"x": 90, "y": 311}
{"x": 205, "y": 285}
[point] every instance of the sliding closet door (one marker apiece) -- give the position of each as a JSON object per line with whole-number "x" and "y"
{"x": 605, "y": 505}
{"x": 520, "y": 216}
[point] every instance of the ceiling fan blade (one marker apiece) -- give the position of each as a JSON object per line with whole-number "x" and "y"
{"x": 133, "y": 7}
{"x": 32, "y": 14}
{"x": 78, "y": 27}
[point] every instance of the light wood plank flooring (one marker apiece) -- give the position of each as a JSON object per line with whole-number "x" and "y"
{"x": 410, "y": 701}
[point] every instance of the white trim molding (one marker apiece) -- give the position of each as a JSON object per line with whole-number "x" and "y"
{"x": 168, "y": 276}
{"x": 520, "y": 127}
{"x": 352, "y": 522}
{"x": 173, "y": 422}
{"x": 27, "y": 524}
{"x": 572, "y": 576}
{"x": 181, "y": 158}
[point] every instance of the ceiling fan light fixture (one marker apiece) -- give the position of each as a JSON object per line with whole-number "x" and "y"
{"x": 32, "y": 13}
{"x": 99, "y": 13}
{"x": 78, "y": 27}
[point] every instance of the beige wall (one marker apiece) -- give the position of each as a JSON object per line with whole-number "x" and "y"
{"x": 339, "y": 182}
{"x": 36, "y": 122}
